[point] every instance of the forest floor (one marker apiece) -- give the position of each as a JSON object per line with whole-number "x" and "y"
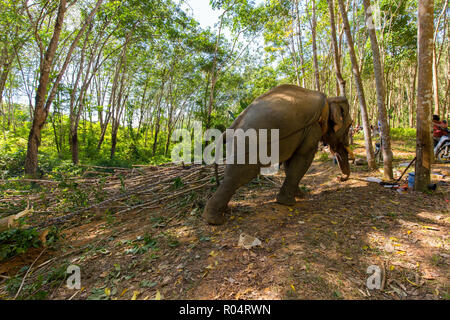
{"x": 320, "y": 248}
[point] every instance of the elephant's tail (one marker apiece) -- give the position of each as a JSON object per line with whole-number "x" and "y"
{"x": 216, "y": 173}
{"x": 222, "y": 140}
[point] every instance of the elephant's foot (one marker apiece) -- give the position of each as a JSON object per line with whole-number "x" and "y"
{"x": 214, "y": 219}
{"x": 300, "y": 194}
{"x": 284, "y": 199}
{"x": 213, "y": 216}
{"x": 343, "y": 178}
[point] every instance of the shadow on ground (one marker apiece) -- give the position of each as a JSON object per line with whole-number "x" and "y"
{"x": 320, "y": 248}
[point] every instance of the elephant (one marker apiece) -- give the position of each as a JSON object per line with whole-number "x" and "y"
{"x": 303, "y": 118}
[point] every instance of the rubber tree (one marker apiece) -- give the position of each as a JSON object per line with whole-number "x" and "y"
{"x": 44, "y": 97}
{"x": 340, "y": 89}
{"x": 313, "y": 24}
{"x": 359, "y": 88}
{"x": 381, "y": 93}
{"x": 424, "y": 94}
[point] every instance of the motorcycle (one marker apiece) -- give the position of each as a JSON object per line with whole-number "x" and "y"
{"x": 442, "y": 149}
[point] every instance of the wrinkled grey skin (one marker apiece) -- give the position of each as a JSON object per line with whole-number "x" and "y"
{"x": 304, "y": 118}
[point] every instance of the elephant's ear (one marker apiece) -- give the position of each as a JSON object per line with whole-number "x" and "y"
{"x": 325, "y": 115}
{"x": 336, "y": 114}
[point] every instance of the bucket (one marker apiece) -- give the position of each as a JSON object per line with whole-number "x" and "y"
{"x": 411, "y": 180}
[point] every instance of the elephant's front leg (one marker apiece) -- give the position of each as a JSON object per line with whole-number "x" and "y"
{"x": 297, "y": 166}
{"x": 235, "y": 176}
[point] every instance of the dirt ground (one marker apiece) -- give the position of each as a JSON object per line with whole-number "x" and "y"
{"x": 320, "y": 248}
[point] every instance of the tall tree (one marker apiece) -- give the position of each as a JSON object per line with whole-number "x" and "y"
{"x": 340, "y": 89}
{"x": 40, "y": 110}
{"x": 424, "y": 94}
{"x": 359, "y": 88}
{"x": 43, "y": 101}
{"x": 313, "y": 24}
{"x": 300, "y": 43}
{"x": 381, "y": 94}
{"x": 437, "y": 108}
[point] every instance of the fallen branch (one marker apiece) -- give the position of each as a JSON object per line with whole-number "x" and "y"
{"x": 11, "y": 221}
{"x": 28, "y": 271}
{"x": 30, "y": 181}
{"x": 104, "y": 168}
{"x": 156, "y": 183}
{"x": 164, "y": 198}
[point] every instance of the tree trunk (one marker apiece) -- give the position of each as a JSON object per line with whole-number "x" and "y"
{"x": 435, "y": 83}
{"x": 381, "y": 94}
{"x": 43, "y": 103}
{"x": 424, "y": 94}
{"x": 300, "y": 44}
{"x": 435, "y": 63}
{"x": 74, "y": 147}
{"x": 40, "y": 112}
{"x": 214, "y": 75}
{"x": 113, "y": 142}
{"x": 112, "y": 97}
{"x": 359, "y": 88}
{"x": 340, "y": 89}
{"x": 73, "y": 125}
{"x": 119, "y": 107}
{"x": 5, "y": 67}
{"x": 313, "y": 22}
{"x": 413, "y": 96}
{"x": 294, "y": 57}
{"x": 157, "y": 127}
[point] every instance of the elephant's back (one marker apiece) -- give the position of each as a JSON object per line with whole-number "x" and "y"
{"x": 290, "y": 91}
{"x": 288, "y": 108}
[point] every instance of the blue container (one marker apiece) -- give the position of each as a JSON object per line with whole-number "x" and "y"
{"x": 412, "y": 180}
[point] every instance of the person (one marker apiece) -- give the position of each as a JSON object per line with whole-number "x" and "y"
{"x": 351, "y": 132}
{"x": 376, "y": 131}
{"x": 439, "y": 129}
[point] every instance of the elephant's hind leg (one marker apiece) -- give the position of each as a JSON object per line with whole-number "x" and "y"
{"x": 298, "y": 165}
{"x": 235, "y": 177}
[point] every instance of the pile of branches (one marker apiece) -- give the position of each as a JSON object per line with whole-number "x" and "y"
{"x": 124, "y": 190}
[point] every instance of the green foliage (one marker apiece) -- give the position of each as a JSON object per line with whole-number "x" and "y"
{"x": 65, "y": 169}
{"x": 323, "y": 157}
{"x": 39, "y": 288}
{"x": 12, "y": 153}
{"x": 143, "y": 245}
{"x": 72, "y": 195}
{"x": 98, "y": 294}
{"x": 110, "y": 217}
{"x": 403, "y": 134}
{"x": 12, "y": 164}
{"x": 400, "y": 33}
{"x": 178, "y": 183}
{"x": 18, "y": 241}
{"x": 173, "y": 72}
{"x": 147, "y": 284}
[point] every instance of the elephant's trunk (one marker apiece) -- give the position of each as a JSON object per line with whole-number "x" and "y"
{"x": 342, "y": 156}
